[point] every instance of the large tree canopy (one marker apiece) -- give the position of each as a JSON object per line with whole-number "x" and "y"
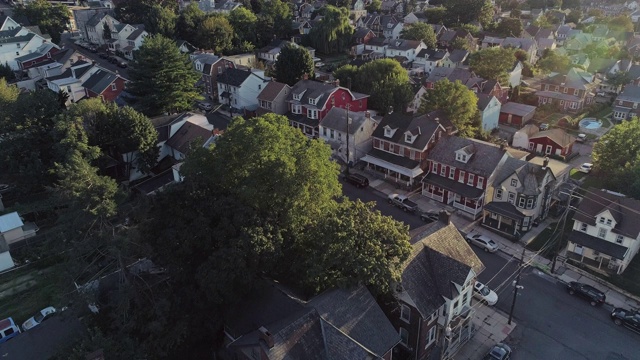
{"x": 333, "y": 32}
{"x": 552, "y": 61}
{"x": 160, "y": 20}
{"x": 52, "y": 19}
{"x": 274, "y": 21}
{"x": 162, "y": 79}
{"x": 386, "y": 81}
{"x": 215, "y": 33}
{"x": 293, "y": 63}
{"x": 458, "y": 103}
{"x": 420, "y": 31}
{"x": 493, "y": 63}
{"x": 244, "y": 24}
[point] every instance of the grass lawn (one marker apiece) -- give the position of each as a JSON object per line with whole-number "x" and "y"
{"x": 542, "y": 240}
{"x": 593, "y": 181}
{"x": 577, "y": 175}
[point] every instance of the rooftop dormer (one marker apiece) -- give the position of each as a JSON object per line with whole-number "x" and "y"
{"x": 410, "y": 136}
{"x": 389, "y": 132}
{"x": 464, "y": 154}
{"x": 298, "y": 96}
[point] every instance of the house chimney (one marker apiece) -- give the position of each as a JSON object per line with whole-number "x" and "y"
{"x": 266, "y": 336}
{"x": 367, "y": 114}
{"x": 545, "y": 163}
{"x": 305, "y": 76}
{"x": 337, "y": 83}
{"x": 437, "y": 120}
{"x": 445, "y": 217}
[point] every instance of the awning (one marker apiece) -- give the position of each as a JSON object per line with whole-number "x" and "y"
{"x": 412, "y": 173}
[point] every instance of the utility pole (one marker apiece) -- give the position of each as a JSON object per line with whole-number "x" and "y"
{"x": 516, "y": 287}
{"x": 348, "y": 106}
{"x": 556, "y": 248}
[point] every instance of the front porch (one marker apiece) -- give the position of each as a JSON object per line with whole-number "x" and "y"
{"x": 505, "y": 219}
{"x": 602, "y": 264}
{"x": 390, "y": 167}
{"x": 468, "y": 199}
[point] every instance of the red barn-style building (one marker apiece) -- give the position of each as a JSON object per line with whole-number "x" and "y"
{"x": 104, "y": 84}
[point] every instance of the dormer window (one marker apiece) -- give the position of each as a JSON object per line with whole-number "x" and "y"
{"x": 461, "y": 157}
{"x": 297, "y": 96}
{"x": 312, "y": 101}
{"x": 388, "y": 132}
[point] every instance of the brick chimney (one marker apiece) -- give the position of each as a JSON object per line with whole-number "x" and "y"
{"x": 445, "y": 217}
{"x": 266, "y": 336}
{"x": 337, "y": 83}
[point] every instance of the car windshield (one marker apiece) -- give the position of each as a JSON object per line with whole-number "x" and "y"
{"x": 38, "y": 318}
{"x": 491, "y": 242}
{"x": 485, "y": 291}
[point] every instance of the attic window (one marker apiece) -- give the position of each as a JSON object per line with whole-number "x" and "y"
{"x": 461, "y": 157}
{"x": 409, "y": 138}
{"x": 388, "y": 132}
{"x": 312, "y": 101}
{"x": 296, "y": 97}
{"x": 514, "y": 182}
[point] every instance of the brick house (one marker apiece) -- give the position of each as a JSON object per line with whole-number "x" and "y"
{"x": 552, "y": 142}
{"x": 571, "y": 92}
{"x": 459, "y": 172}
{"x": 309, "y": 101}
{"x": 210, "y": 67}
{"x": 435, "y": 292}
{"x": 401, "y": 144}
{"x": 606, "y": 229}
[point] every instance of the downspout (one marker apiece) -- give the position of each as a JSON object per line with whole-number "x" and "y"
{"x": 418, "y": 339}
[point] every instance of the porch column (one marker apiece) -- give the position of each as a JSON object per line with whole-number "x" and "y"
{"x": 600, "y": 264}
{"x": 499, "y": 221}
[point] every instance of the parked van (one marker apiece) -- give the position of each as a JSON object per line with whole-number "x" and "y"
{"x": 357, "y": 180}
{"x": 8, "y": 330}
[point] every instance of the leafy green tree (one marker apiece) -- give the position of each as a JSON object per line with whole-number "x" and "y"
{"x": 616, "y": 157}
{"x": 574, "y": 16}
{"x": 436, "y": 15}
{"x": 6, "y": 72}
{"x": 292, "y": 64}
{"x": 244, "y": 24}
{"x": 358, "y": 245}
{"x": 420, "y": 31}
{"x": 106, "y": 31}
{"x": 387, "y": 82}
{"x": 460, "y": 43}
{"x": 215, "y": 33}
{"x": 339, "y": 3}
{"x": 620, "y": 78}
{"x": 509, "y": 27}
{"x": 621, "y": 23}
{"x": 333, "y": 32}
{"x": 162, "y": 86}
{"x": 571, "y": 4}
{"x": 161, "y": 20}
{"x": 458, "y": 103}
{"x": 551, "y": 61}
{"x": 493, "y": 63}
{"x": 374, "y": 6}
{"x": 515, "y": 13}
{"x": 274, "y": 21}
{"x": 467, "y": 11}
{"x": 189, "y": 22}
{"x": 345, "y": 74}
{"x": 136, "y": 11}
{"x": 52, "y": 19}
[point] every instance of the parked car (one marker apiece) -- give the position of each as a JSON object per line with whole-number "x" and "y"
{"x": 8, "y": 330}
{"x": 484, "y": 294}
{"x": 319, "y": 64}
{"x": 357, "y": 180}
{"x": 122, "y": 64}
{"x": 585, "y": 168}
{"x": 482, "y": 241}
{"x": 628, "y": 318}
{"x": 581, "y": 138}
{"x": 544, "y": 126}
{"x": 499, "y": 352}
{"x": 205, "y": 106}
{"x": 595, "y": 296}
{"x": 601, "y": 93}
{"x": 403, "y": 202}
{"x": 429, "y": 216}
{"x": 38, "y": 318}
{"x": 114, "y": 60}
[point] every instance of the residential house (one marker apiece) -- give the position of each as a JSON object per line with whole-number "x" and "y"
{"x": 404, "y": 51}
{"x": 104, "y": 84}
{"x": 344, "y": 324}
{"x": 438, "y": 29}
{"x": 578, "y": 42}
{"x": 239, "y": 88}
{"x": 491, "y": 41}
{"x": 457, "y": 58}
{"x": 430, "y": 59}
{"x": 435, "y": 291}
{"x": 86, "y": 18}
{"x": 527, "y": 45}
{"x": 359, "y": 39}
{"x": 571, "y": 92}
{"x": 580, "y": 59}
{"x": 6, "y": 261}
{"x": 447, "y": 38}
{"x": 521, "y": 196}
{"x": 55, "y": 65}
{"x": 273, "y": 98}
{"x": 303, "y": 11}
{"x": 96, "y": 26}
{"x": 387, "y": 26}
{"x": 561, "y": 33}
{"x": 211, "y": 67}
{"x": 459, "y": 172}
{"x": 18, "y": 41}
{"x": 246, "y": 60}
{"x": 185, "y": 47}
{"x": 489, "y": 110}
{"x": 521, "y": 137}
{"x": 410, "y": 18}
{"x": 271, "y": 52}
{"x": 414, "y": 105}
{"x": 512, "y": 113}
{"x": 357, "y": 9}
{"x": 626, "y": 103}
{"x": 376, "y": 48}
{"x": 600, "y": 32}
{"x": 401, "y": 144}
{"x": 545, "y": 44}
{"x": 606, "y": 231}
{"x": 635, "y": 16}
{"x": 360, "y": 126}
{"x": 72, "y": 79}
{"x": 103, "y": 29}
{"x": 13, "y": 230}
{"x": 132, "y": 42}
{"x": 619, "y": 66}
{"x": 309, "y": 101}
{"x": 552, "y": 142}
{"x": 225, "y": 6}
{"x": 42, "y": 54}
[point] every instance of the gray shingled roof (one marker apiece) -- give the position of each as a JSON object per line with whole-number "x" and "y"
{"x": 625, "y": 211}
{"x": 426, "y": 125}
{"x": 458, "y": 55}
{"x": 312, "y": 89}
{"x": 186, "y": 135}
{"x": 17, "y": 39}
{"x": 99, "y": 81}
{"x": 234, "y": 77}
{"x": 134, "y": 35}
{"x": 530, "y": 176}
{"x": 630, "y": 93}
{"x": 272, "y": 90}
{"x": 558, "y": 136}
{"x": 483, "y": 162}
{"x": 336, "y": 119}
{"x": 517, "y": 108}
{"x": 484, "y": 100}
{"x": 95, "y": 19}
{"x": 403, "y": 45}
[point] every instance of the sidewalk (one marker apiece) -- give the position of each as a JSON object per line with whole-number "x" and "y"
{"x": 491, "y": 324}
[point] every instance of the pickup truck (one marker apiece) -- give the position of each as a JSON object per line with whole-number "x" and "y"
{"x": 402, "y": 202}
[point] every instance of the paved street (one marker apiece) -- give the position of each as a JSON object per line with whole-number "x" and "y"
{"x": 551, "y": 324}
{"x": 69, "y": 44}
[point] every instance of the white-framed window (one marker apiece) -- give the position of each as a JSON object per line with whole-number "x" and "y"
{"x": 609, "y": 222}
{"x": 114, "y": 87}
{"x": 546, "y": 87}
{"x": 575, "y": 92}
{"x": 434, "y": 167}
{"x": 470, "y": 179}
{"x": 561, "y": 102}
{"x": 432, "y": 317}
{"x": 601, "y": 220}
{"x": 514, "y": 182}
{"x": 619, "y": 239}
{"x": 549, "y": 149}
{"x": 564, "y": 90}
{"x": 531, "y": 145}
{"x": 583, "y": 227}
{"x": 296, "y": 109}
{"x": 602, "y": 233}
{"x": 480, "y": 184}
{"x": 461, "y": 177}
{"x": 573, "y": 105}
{"x": 312, "y": 114}
{"x": 297, "y": 96}
{"x": 404, "y": 336}
{"x": 431, "y": 336}
{"x": 408, "y": 138}
{"x": 521, "y": 202}
{"x": 530, "y": 203}
{"x": 312, "y": 101}
{"x": 452, "y": 172}
{"x": 405, "y": 313}
{"x": 512, "y": 198}
{"x": 392, "y": 148}
{"x": 525, "y": 221}
{"x": 443, "y": 170}
{"x": 498, "y": 193}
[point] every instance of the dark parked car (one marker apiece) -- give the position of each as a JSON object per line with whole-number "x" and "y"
{"x": 595, "y": 296}
{"x": 357, "y": 180}
{"x": 429, "y": 216}
{"x": 122, "y": 64}
{"x": 499, "y": 352}
{"x": 628, "y": 318}
{"x": 114, "y": 60}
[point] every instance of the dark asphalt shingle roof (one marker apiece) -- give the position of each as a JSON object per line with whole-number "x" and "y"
{"x": 630, "y": 93}
{"x": 272, "y": 90}
{"x": 134, "y": 35}
{"x": 484, "y": 100}
{"x": 454, "y": 186}
{"x": 458, "y": 55}
{"x": 313, "y": 89}
{"x": 603, "y": 246}
{"x": 186, "y": 135}
{"x": 517, "y": 109}
{"x": 336, "y": 119}
{"x": 505, "y": 208}
{"x": 558, "y": 136}
{"x": 425, "y": 125}
{"x": 626, "y": 211}
{"x": 394, "y": 159}
{"x": 485, "y": 159}
{"x": 234, "y": 77}
{"x": 100, "y": 80}
{"x": 530, "y": 176}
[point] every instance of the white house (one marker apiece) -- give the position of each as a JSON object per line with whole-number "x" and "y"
{"x": 71, "y": 80}
{"x": 13, "y": 230}
{"x": 521, "y": 137}
{"x": 240, "y": 88}
{"x": 606, "y": 231}
{"x": 334, "y": 127}
{"x": 404, "y": 50}
{"x": 430, "y": 59}
{"x": 16, "y": 42}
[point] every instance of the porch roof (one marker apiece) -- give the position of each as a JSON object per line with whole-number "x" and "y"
{"x": 505, "y": 209}
{"x": 454, "y": 186}
{"x": 597, "y": 244}
{"x": 399, "y": 164}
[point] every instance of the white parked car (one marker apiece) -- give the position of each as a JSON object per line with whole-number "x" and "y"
{"x": 585, "y": 168}
{"x": 581, "y": 138}
{"x": 319, "y": 64}
{"x": 482, "y": 241}
{"x": 38, "y": 318}
{"x": 484, "y": 294}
